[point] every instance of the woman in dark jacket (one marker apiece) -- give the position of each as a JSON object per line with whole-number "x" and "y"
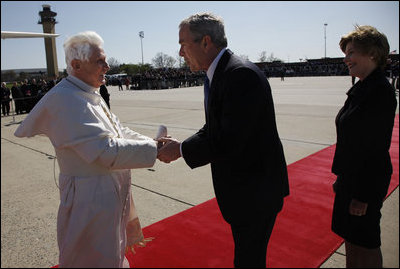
{"x": 362, "y": 162}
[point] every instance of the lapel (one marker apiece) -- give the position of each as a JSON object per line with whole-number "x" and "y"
{"x": 219, "y": 70}
{"x": 221, "y": 67}
{"x": 365, "y": 89}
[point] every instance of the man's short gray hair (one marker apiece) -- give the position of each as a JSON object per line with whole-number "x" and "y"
{"x": 203, "y": 24}
{"x": 80, "y": 47}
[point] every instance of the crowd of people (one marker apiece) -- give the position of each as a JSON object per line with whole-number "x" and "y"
{"x": 392, "y": 71}
{"x": 322, "y": 67}
{"x": 168, "y": 78}
{"x": 28, "y": 92}
{"x": 25, "y": 94}
{"x": 305, "y": 69}
{"x": 160, "y": 78}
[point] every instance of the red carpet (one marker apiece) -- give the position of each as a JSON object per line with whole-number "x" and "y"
{"x": 200, "y": 238}
{"x": 302, "y": 237}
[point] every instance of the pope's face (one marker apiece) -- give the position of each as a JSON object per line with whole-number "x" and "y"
{"x": 93, "y": 71}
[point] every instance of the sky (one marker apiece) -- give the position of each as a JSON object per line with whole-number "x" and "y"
{"x": 289, "y": 30}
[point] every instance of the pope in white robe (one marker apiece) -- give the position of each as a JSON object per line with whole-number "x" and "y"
{"x": 96, "y": 218}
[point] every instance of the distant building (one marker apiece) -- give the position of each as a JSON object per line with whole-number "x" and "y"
{"x": 30, "y": 71}
{"x": 8, "y": 75}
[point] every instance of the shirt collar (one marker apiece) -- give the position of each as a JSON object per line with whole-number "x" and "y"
{"x": 213, "y": 66}
{"x": 81, "y": 85}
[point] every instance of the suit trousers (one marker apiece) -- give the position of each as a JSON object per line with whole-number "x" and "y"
{"x": 251, "y": 241}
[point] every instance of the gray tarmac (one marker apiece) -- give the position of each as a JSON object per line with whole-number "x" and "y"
{"x": 305, "y": 111}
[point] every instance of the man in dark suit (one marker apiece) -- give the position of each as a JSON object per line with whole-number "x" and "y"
{"x": 239, "y": 139}
{"x": 18, "y": 97}
{"x": 104, "y": 93}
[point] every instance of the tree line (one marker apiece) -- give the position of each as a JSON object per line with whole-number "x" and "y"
{"x": 160, "y": 60}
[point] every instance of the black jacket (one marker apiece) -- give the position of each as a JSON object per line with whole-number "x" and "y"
{"x": 241, "y": 141}
{"x": 364, "y": 132}
{"x": 104, "y": 93}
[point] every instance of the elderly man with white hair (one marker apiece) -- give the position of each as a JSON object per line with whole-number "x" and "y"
{"x": 97, "y": 222}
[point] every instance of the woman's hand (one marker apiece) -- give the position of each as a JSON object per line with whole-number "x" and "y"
{"x": 357, "y": 208}
{"x": 141, "y": 244}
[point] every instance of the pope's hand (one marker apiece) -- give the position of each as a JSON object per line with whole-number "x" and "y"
{"x": 141, "y": 244}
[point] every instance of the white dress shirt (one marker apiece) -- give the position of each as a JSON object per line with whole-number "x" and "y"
{"x": 213, "y": 66}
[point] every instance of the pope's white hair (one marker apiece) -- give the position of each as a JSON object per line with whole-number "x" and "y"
{"x": 80, "y": 47}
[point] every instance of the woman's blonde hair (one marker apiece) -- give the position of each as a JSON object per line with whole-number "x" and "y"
{"x": 369, "y": 41}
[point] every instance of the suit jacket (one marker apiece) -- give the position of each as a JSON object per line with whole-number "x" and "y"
{"x": 16, "y": 92}
{"x": 104, "y": 93}
{"x": 241, "y": 141}
{"x": 364, "y": 133}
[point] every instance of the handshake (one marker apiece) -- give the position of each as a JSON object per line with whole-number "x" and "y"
{"x": 168, "y": 148}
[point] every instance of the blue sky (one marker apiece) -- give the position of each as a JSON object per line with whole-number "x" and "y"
{"x": 289, "y": 30}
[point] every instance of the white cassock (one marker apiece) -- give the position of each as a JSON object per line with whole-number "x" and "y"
{"x": 96, "y": 218}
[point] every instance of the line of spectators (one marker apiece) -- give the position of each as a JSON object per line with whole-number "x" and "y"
{"x": 161, "y": 78}
{"x": 392, "y": 71}
{"x": 166, "y": 78}
{"x": 303, "y": 69}
{"x": 5, "y": 99}
{"x": 323, "y": 67}
{"x": 25, "y": 95}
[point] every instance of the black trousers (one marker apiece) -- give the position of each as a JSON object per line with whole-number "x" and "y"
{"x": 251, "y": 241}
{"x": 5, "y": 107}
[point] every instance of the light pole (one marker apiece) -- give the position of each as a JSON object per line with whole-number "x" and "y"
{"x": 141, "y": 35}
{"x": 325, "y": 24}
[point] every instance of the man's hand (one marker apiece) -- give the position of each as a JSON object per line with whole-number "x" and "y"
{"x": 170, "y": 151}
{"x": 357, "y": 208}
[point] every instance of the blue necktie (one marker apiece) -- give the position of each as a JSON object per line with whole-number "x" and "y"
{"x": 206, "y": 91}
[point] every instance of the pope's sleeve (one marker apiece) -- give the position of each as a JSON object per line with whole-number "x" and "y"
{"x": 134, "y": 150}
{"x": 112, "y": 152}
{"x": 102, "y": 146}
{"x": 121, "y": 153}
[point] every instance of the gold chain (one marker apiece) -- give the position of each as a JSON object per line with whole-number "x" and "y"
{"x": 109, "y": 117}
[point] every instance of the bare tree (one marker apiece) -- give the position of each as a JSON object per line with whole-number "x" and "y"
{"x": 114, "y": 66}
{"x": 8, "y": 75}
{"x": 246, "y": 57}
{"x": 162, "y": 60}
{"x": 263, "y": 56}
{"x": 271, "y": 58}
{"x": 179, "y": 60}
{"x": 170, "y": 62}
